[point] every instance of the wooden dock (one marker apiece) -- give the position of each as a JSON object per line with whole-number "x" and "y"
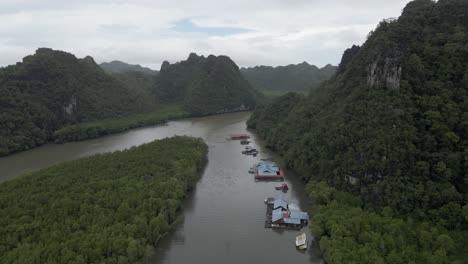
{"x": 269, "y": 210}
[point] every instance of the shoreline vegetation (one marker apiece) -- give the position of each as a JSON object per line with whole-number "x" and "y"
{"x": 111, "y": 207}
{"x": 383, "y": 145}
{"x": 54, "y": 96}
{"x": 95, "y": 129}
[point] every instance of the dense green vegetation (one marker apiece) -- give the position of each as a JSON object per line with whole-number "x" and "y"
{"x": 390, "y": 132}
{"x": 350, "y": 234}
{"x": 99, "y": 128}
{"x": 122, "y": 67}
{"x": 52, "y": 95}
{"x": 302, "y": 77}
{"x": 107, "y": 208}
{"x": 205, "y": 85}
{"x": 51, "y": 89}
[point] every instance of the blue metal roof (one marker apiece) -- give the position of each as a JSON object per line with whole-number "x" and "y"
{"x": 295, "y": 221}
{"x": 298, "y": 215}
{"x": 276, "y": 215}
{"x": 280, "y": 203}
{"x": 267, "y": 168}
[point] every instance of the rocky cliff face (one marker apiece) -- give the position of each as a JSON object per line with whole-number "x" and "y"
{"x": 384, "y": 73}
{"x": 71, "y": 107}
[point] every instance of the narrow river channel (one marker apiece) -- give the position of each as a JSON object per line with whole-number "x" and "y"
{"x": 223, "y": 219}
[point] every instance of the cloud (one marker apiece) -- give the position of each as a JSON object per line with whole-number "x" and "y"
{"x": 147, "y": 32}
{"x": 186, "y": 25}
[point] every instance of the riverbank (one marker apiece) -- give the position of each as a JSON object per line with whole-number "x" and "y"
{"x": 95, "y": 129}
{"x": 108, "y": 207}
{"x": 223, "y": 218}
{"x": 349, "y": 228}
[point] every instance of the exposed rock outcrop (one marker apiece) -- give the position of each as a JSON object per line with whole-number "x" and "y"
{"x": 384, "y": 74}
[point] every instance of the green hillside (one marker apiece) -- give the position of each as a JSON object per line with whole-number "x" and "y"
{"x": 387, "y": 137}
{"x": 52, "y": 88}
{"x": 53, "y": 91}
{"x": 205, "y": 85}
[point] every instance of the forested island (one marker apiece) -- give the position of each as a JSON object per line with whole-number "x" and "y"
{"x": 301, "y": 78}
{"x": 54, "y": 96}
{"x": 383, "y": 145}
{"x": 106, "y": 208}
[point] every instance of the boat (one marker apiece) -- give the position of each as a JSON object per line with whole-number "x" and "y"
{"x": 251, "y": 170}
{"x": 301, "y": 241}
{"x": 250, "y": 151}
{"x": 245, "y": 142}
{"x": 238, "y": 136}
{"x": 284, "y": 187}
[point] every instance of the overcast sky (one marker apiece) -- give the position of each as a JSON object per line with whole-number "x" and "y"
{"x": 147, "y": 32}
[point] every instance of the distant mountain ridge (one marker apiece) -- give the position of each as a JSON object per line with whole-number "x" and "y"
{"x": 301, "y": 77}
{"x": 123, "y": 67}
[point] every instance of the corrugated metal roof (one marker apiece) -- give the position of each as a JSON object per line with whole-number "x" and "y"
{"x": 267, "y": 168}
{"x": 295, "y": 221}
{"x": 276, "y": 215}
{"x": 298, "y": 215}
{"x": 280, "y": 203}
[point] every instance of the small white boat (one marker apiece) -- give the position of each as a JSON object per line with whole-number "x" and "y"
{"x": 301, "y": 241}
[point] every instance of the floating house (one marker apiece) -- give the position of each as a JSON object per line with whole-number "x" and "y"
{"x": 268, "y": 170}
{"x": 279, "y": 214}
{"x": 280, "y": 203}
{"x": 290, "y": 217}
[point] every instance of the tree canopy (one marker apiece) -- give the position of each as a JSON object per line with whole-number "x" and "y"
{"x": 54, "y": 93}
{"x": 391, "y": 126}
{"x": 205, "y": 85}
{"x": 107, "y": 208}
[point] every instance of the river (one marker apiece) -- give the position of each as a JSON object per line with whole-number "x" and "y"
{"x": 223, "y": 219}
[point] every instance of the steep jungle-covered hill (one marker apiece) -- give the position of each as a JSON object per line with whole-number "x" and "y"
{"x": 122, "y": 67}
{"x": 387, "y": 137}
{"x": 301, "y": 77}
{"x": 53, "y": 88}
{"x": 205, "y": 85}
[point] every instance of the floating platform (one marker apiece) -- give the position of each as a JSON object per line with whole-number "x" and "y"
{"x": 239, "y": 136}
{"x": 268, "y": 170}
{"x": 279, "y": 215}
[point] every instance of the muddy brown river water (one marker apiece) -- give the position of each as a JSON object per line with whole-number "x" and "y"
{"x": 223, "y": 218}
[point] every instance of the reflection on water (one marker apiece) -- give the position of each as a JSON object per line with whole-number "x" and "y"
{"x": 224, "y": 217}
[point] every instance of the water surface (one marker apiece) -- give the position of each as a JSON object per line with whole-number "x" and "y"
{"x": 223, "y": 219}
